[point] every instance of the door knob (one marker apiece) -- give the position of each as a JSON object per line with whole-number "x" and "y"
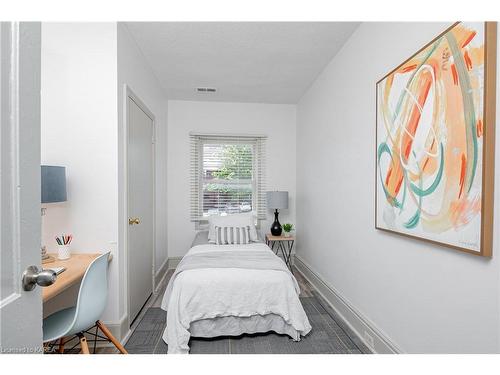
{"x": 132, "y": 221}
{"x": 34, "y": 276}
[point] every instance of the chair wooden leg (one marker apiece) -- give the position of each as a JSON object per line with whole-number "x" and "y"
{"x": 110, "y": 336}
{"x": 83, "y": 344}
{"x": 61, "y": 346}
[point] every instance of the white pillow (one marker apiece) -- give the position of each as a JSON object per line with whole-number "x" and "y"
{"x": 234, "y": 220}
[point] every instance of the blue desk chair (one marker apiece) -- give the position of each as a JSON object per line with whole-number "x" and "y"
{"x": 82, "y": 318}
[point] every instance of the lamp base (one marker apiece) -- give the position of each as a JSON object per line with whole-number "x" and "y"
{"x": 276, "y": 227}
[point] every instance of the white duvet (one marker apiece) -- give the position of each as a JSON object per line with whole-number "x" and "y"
{"x": 212, "y": 293}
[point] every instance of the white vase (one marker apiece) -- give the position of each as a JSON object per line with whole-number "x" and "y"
{"x": 287, "y": 234}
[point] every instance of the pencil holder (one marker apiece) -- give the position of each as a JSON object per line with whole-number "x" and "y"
{"x": 63, "y": 252}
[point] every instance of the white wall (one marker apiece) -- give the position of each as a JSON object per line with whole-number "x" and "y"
{"x": 425, "y": 298}
{"x": 274, "y": 120}
{"x": 79, "y": 131}
{"x": 134, "y": 71}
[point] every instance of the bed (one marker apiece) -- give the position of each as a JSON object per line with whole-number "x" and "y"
{"x": 228, "y": 290}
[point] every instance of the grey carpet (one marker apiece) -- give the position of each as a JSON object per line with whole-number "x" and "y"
{"x": 329, "y": 335}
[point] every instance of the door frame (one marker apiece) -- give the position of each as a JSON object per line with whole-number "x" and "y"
{"x": 128, "y": 93}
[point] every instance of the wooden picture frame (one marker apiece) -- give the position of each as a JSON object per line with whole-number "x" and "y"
{"x": 409, "y": 155}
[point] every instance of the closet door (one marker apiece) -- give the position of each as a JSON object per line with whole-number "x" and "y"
{"x": 140, "y": 176}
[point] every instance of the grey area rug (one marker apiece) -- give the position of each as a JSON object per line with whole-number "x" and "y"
{"x": 329, "y": 335}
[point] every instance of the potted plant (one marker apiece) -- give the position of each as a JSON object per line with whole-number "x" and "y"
{"x": 287, "y": 228}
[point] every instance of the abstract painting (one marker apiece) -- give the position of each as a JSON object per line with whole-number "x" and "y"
{"x": 435, "y": 141}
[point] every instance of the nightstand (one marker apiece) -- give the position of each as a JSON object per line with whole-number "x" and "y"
{"x": 285, "y": 244}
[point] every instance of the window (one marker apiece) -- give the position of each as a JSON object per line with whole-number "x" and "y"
{"x": 227, "y": 175}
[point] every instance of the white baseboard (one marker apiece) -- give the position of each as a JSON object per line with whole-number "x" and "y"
{"x": 125, "y": 331}
{"x": 359, "y": 323}
{"x": 173, "y": 262}
{"x": 160, "y": 274}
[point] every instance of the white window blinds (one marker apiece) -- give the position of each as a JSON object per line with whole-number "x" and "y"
{"x": 228, "y": 175}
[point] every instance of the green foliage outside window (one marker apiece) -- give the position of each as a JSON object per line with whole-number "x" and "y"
{"x": 236, "y": 165}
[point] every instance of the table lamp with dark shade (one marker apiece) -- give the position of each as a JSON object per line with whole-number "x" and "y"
{"x": 53, "y": 188}
{"x": 277, "y": 200}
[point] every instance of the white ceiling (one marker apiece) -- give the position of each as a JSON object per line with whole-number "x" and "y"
{"x": 263, "y": 62}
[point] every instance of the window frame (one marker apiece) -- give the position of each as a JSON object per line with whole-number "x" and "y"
{"x": 258, "y": 173}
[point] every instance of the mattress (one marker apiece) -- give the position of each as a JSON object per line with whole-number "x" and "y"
{"x": 236, "y": 326}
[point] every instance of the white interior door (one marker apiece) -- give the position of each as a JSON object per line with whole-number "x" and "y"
{"x": 20, "y": 232}
{"x": 140, "y": 175}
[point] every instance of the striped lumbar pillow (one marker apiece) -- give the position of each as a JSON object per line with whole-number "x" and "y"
{"x": 232, "y": 235}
